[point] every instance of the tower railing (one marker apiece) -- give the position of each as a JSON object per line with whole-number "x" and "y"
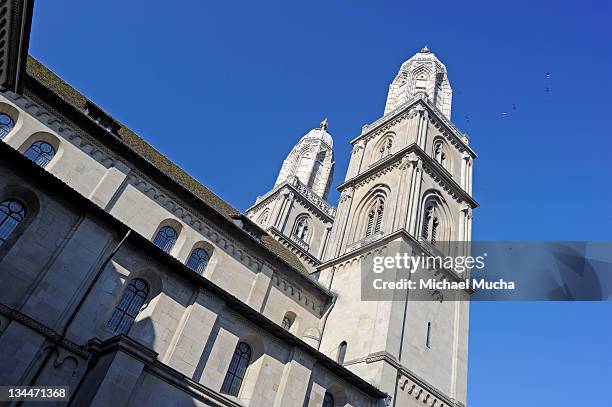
{"x": 311, "y": 196}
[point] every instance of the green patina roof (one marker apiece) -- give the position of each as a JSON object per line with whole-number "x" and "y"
{"x": 54, "y": 83}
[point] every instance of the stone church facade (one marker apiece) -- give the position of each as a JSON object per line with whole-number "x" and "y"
{"x": 133, "y": 284}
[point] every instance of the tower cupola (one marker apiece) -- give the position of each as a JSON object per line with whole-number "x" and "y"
{"x": 311, "y": 160}
{"x": 422, "y": 73}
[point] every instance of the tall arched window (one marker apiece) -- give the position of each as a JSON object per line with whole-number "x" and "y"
{"x": 375, "y": 216}
{"x": 6, "y": 125}
{"x": 328, "y": 400}
{"x": 302, "y": 228}
{"x": 40, "y": 152}
{"x": 12, "y": 213}
{"x": 165, "y": 239}
{"x": 198, "y": 260}
{"x": 129, "y": 306}
{"x": 341, "y": 352}
{"x": 237, "y": 369}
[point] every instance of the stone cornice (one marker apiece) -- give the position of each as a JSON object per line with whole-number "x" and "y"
{"x": 321, "y": 208}
{"x": 430, "y": 166}
{"x": 14, "y": 315}
{"x": 401, "y": 113}
{"x": 410, "y": 382}
{"x": 295, "y": 249}
{"x": 372, "y": 246}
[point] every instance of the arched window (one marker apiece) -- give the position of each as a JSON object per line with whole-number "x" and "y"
{"x": 385, "y": 148}
{"x": 198, "y": 260}
{"x": 6, "y": 125}
{"x": 237, "y": 369}
{"x": 341, "y": 352}
{"x": 40, "y": 152}
{"x": 263, "y": 218}
{"x": 12, "y": 213}
{"x": 375, "y": 216}
{"x": 129, "y": 306}
{"x": 302, "y": 228}
{"x": 328, "y": 400}
{"x": 165, "y": 239}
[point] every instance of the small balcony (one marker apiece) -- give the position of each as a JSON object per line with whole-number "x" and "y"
{"x": 300, "y": 243}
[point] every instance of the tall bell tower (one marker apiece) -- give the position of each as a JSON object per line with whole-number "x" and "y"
{"x": 408, "y": 186}
{"x": 295, "y": 210}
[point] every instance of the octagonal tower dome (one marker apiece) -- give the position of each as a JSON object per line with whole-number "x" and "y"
{"x": 423, "y": 72}
{"x": 311, "y": 160}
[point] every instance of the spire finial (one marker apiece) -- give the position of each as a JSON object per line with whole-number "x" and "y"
{"x": 324, "y": 124}
{"x": 425, "y": 50}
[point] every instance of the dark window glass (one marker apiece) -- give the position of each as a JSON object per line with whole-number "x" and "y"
{"x": 237, "y": 369}
{"x": 40, "y": 153}
{"x": 286, "y": 323}
{"x": 328, "y": 400}
{"x": 165, "y": 239}
{"x": 341, "y": 352}
{"x": 198, "y": 260}
{"x": 12, "y": 213}
{"x": 6, "y": 125}
{"x": 129, "y": 306}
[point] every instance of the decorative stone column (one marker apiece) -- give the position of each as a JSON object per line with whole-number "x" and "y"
{"x": 416, "y": 176}
{"x": 294, "y": 381}
{"x": 356, "y": 160}
{"x": 110, "y": 184}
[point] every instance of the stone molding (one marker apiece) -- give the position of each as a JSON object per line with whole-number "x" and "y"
{"x": 51, "y": 118}
{"x": 319, "y": 207}
{"x": 413, "y": 151}
{"x": 294, "y": 247}
{"x": 415, "y": 386}
{"x": 190, "y": 218}
{"x": 87, "y": 144}
{"x": 50, "y": 334}
{"x": 297, "y": 294}
{"x": 125, "y": 344}
{"x": 401, "y": 113}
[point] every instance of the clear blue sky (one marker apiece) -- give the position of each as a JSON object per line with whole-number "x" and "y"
{"x": 226, "y": 88}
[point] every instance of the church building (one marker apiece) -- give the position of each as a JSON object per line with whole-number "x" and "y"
{"x": 130, "y": 283}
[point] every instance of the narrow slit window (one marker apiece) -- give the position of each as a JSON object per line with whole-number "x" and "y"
{"x": 341, "y": 352}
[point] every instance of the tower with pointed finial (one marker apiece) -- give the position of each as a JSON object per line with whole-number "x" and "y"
{"x": 407, "y": 190}
{"x": 421, "y": 74}
{"x": 295, "y": 211}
